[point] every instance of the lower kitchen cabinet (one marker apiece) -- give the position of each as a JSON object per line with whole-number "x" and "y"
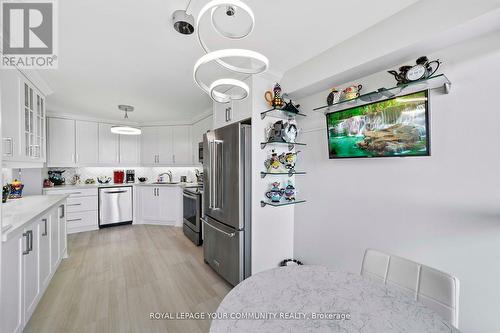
{"x": 159, "y": 205}
{"x": 29, "y": 260}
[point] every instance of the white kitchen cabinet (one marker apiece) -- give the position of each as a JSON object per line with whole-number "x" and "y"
{"x": 44, "y": 251}
{"x": 129, "y": 150}
{"x": 54, "y": 239}
{"x": 23, "y": 121}
{"x": 108, "y": 145}
{"x": 149, "y": 146}
{"x": 11, "y": 319}
{"x": 234, "y": 111}
{"x": 63, "y": 239}
{"x": 87, "y": 142}
{"x": 30, "y": 270}
{"x": 160, "y": 204}
{"x": 61, "y": 142}
{"x": 181, "y": 145}
{"x": 165, "y": 145}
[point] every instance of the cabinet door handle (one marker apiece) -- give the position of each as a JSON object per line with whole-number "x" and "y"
{"x": 62, "y": 212}
{"x": 45, "y": 231}
{"x": 27, "y": 250}
{"x": 30, "y": 237}
{"x": 229, "y": 113}
{"x": 173, "y": 158}
{"x": 76, "y": 158}
{"x": 10, "y": 153}
{"x": 74, "y": 220}
{"x": 77, "y": 204}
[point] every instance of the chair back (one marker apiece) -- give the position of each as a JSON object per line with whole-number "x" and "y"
{"x": 437, "y": 290}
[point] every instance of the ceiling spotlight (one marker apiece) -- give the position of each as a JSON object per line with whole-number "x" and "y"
{"x": 182, "y": 21}
{"x": 126, "y": 130}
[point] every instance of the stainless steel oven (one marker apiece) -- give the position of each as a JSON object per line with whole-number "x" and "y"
{"x": 192, "y": 214}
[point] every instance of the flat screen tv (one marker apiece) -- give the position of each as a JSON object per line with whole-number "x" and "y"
{"x": 397, "y": 126}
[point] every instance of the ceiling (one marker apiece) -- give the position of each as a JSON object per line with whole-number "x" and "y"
{"x": 126, "y": 52}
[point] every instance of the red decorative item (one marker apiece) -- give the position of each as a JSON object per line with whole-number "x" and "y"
{"x": 118, "y": 176}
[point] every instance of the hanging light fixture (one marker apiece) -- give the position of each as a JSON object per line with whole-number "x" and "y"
{"x": 259, "y": 63}
{"x": 123, "y": 129}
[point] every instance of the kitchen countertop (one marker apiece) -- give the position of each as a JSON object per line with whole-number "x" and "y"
{"x": 68, "y": 186}
{"x": 17, "y": 212}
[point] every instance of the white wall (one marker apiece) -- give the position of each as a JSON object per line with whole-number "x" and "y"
{"x": 442, "y": 210}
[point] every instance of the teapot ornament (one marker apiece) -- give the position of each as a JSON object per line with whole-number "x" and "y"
{"x": 351, "y": 92}
{"x": 273, "y": 163}
{"x": 275, "y": 193}
{"x": 274, "y": 97}
{"x": 289, "y": 191}
{"x": 288, "y": 160}
{"x": 422, "y": 70}
{"x": 333, "y": 97}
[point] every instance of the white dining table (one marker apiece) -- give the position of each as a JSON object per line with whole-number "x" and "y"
{"x": 320, "y": 299}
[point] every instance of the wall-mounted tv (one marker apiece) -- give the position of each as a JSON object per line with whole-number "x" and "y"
{"x": 397, "y": 126}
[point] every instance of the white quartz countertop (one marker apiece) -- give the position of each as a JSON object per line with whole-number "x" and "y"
{"x": 17, "y": 212}
{"x": 68, "y": 186}
{"x": 303, "y": 291}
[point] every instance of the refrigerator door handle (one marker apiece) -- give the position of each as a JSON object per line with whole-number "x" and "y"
{"x": 210, "y": 174}
{"x": 219, "y": 173}
{"x": 229, "y": 234}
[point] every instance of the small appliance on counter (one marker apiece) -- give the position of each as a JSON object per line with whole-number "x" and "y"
{"x": 16, "y": 189}
{"x": 55, "y": 176}
{"x": 118, "y": 176}
{"x": 130, "y": 176}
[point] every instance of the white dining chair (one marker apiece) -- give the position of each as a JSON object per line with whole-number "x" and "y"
{"x": 437, "y": 290}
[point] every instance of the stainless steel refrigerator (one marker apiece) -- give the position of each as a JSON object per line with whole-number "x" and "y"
{"x": 227, "y": 189}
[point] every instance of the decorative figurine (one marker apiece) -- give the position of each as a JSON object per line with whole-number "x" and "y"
{"x": 90, "y": 181}
{"x": 275, "y": 132}
{"x": 290, "y": 107}
{"x": 103, "y": 179}
{"x": 289, "y": 132}
{"x": 274, "y": 97}
{"x": 16, "y": 189}
{"x": 55, "y": 176}
{"x": 273, "y": 164}
{"x": 289, "y": 191}
{"x": 422, "y": 70}
{"x": 47, "y": 183}
{"x": 275, "y": 193}
{"x": 288, "y": 160}
{"x": 333, "y": 97}
{"x": 75, "y": 180}
{"x": 350, "y": 92}
{"x": 5, "y": 193}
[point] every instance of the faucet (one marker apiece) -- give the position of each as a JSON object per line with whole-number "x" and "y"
{"x": 168, "y": 173}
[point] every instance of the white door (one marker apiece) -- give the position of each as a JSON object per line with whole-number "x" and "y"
{"x": 149, "y": 146}
{"x": 30, "y": 268}
{"x": 149, "y": 203}
{"x": 221, "y": 114}
{"x": 54, "y": 239}
{"x": 11, "y": 85}
{"x": 181, "y": 145}
{"x": 44, "y": 251}
{"x": 170, "y": 203}
{"x": 11, "y": 318}
{"x": 108, "y": 145}
{"x": 129, "y": 150}
{"x": 61, "y": 139}
{"x": 87, "y": 142}
{"x": 63, "y": 241}
{"x": 165, "y": 150}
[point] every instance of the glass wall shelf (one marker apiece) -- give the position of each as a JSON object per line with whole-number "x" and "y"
{"x": 435, "y": 82}
{"x": 289, "y": 173}
{"x": 291, "y": 145}
{"x": 264, "y": 203}
{"x": 281, "y": 114}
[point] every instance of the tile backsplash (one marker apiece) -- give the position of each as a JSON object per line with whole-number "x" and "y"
{"x": 151, "y": 173}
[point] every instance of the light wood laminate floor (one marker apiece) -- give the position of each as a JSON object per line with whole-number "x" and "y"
{"x": 115, "y": 277}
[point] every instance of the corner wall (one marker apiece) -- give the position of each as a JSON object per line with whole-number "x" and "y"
{"x": 443, "y": 210}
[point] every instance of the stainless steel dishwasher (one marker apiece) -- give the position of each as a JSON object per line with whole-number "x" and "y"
{"x": 115, "y": 206}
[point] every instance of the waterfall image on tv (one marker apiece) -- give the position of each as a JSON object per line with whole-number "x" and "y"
{"x": 394, "y": 127}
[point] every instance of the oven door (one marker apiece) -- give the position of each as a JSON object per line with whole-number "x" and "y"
{"x": 191, "y": 210}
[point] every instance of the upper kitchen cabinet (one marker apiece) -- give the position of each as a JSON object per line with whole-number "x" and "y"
{"x": 234, "y": 111}
{"x": 181, "y": 145}
{"x": 129, "y": 150}
{"x": 166, "y": 146}
{"x": 23, "y": 121}
{"x": 87, "y": 142}
{"x": 108, "y": 145}
{"x": 61, "y": 142}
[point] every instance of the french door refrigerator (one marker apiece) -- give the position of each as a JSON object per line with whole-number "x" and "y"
{"x": 227, "y": 190}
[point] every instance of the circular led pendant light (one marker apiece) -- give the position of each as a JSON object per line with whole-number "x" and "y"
{"x": 123, "y": 129}
{"x": 259, "y": 63}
